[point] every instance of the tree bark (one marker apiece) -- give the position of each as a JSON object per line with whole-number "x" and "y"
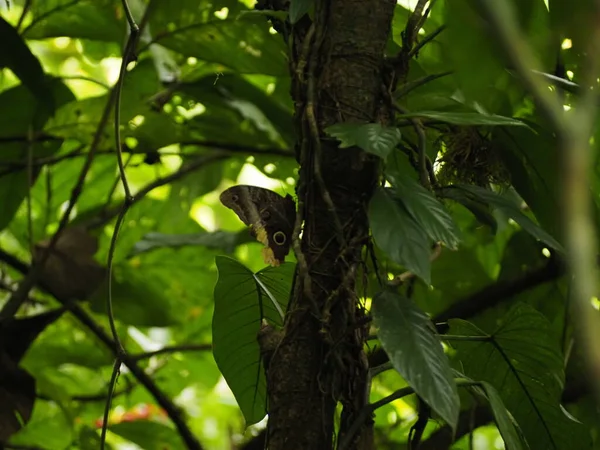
{"x": 337, "y": 69}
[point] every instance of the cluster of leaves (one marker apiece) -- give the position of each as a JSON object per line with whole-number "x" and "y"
{"x": 207, "y": 98}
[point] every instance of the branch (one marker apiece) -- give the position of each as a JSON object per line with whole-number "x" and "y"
{"x": 497, "y": 292}
{"x": 173, "y": 349}
{"x": 190, "y": 167}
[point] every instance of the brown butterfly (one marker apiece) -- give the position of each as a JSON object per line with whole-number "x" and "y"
{"x": 270, "y": 217}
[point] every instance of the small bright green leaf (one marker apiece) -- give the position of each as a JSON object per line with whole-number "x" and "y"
{"x": 371, "y": 137}
{"x": 148, "y": 434}
{"x": 242, "y": 300}
{"x": 427, "y": 211}
{"x": 398, "y": 235}
{"x": 16, "y": 55}
{"x": 512, "y": 210}
{"x": 523, "y": 361}
{"x": 466, "y": 118}
{"x": 298, "y": 8}
{"x": 406, "y": 333}
{"x": 509, "y": 430}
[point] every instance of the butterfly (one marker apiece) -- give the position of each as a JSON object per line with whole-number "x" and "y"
{"x": 270, "y": 216}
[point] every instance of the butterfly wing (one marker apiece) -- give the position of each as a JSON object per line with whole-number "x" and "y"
{"x": 270, "y": 216}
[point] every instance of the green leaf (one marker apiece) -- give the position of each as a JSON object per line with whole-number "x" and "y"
{"x": 149, "y": 435}
{"x": 406, "y": 333}
{"x": 427, "y": 211}
{"x": 299, "y": 8}
{"x": 15, "y": 55}
{"x": 398, "y": 235}
{"x": 98, "y": 20}
{"x": 466, "y": 118}
{"x": 243, "y": 44}
{"x": 242, "y": 300}
{"x": 371, "y": 137}
{"x": 479, "y": 209}
{"x": 48, "y": 428}
{"x": 522, "y": 360}
{"x": 223, "y": 240}
{"x": 20, "y": 113}
{"x": 509, "y": 429}
{"x": 137, "y": 299}
{"x": 532, "y": 160}
{"x": 512, "y": 210}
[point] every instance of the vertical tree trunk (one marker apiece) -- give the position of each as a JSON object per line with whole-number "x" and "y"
{"x": 337, "y": 67}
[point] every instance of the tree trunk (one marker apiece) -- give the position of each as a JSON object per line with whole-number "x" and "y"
{"x": 337, "y": 68}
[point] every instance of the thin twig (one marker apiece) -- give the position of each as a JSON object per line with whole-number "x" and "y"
{"x": 121, "y": 354}
{"x": 420, "y": 130}
{"x": 425, "y": 40}
{"x": 30, "y": 145}
{"x": 173, "y": 349}
{"x": 412, "y": 85}
{"x": 185, "y": 170}
{"x": 26, "y": 8}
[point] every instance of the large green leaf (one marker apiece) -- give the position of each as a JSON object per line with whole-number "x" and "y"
{"x": 243, "y": 44}
{"x": 137, "y": 299}
{"x": 532, "y": 160}
{"x": 508, "y": 207}
{"x": 148, "y": 434}
{"x": 101, "y": 20}
{"x": 42, "y": 430}
{"x": 15, "y": 55}
{"x": 407, "y": 335}
{"x": 427, "y": 211}
{"x": 522, "y": 360}
{"x": 509, "y": 430}
{"x": 222, "y": 240}
{"x": 22, "y": 113}
{"x": 242, "y": 300}
{"x": 371, "y": 137}
{"x": 398, "y": 235}
{"x": 466, "y": 118}
{"x": 470, "y": 50}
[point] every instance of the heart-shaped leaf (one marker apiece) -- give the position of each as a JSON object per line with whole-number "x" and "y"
{"x": 522, "y": 360}
{"x": 242, "y": 300}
